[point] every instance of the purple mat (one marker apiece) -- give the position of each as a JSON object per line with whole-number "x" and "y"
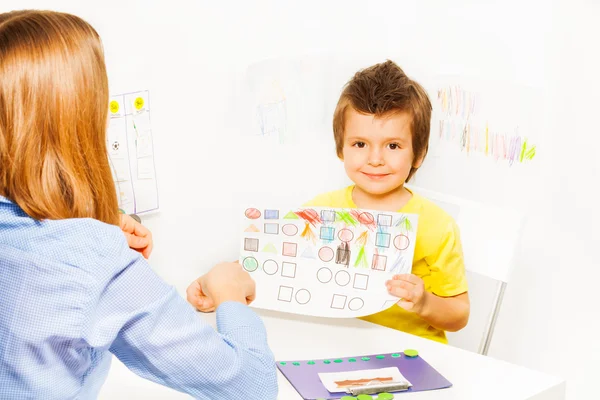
{"x": 305, "y": 378}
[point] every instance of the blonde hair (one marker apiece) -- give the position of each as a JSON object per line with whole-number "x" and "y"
{"x": 53, "y": 117}
{"x": 381, "y": 90}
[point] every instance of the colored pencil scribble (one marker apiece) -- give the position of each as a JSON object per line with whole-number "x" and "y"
{"x": 361, "y": 258}
{"x": 347, "y": 218}
{"x": 343, "y": 254}
{"x": 308, "y": 234}
{"x": 364, "y": 218}
{"x": 310, "y": 216}
{"x": 404, "y": 223}
{"x": 398, "y": 264}
{"x": 458, "y": 108}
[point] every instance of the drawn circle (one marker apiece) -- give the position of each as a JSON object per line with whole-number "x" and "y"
{"x": 326, "y": 254}
{"x": 311, "y": 214}
{"x": 252, "y": 213}
{"x": 366, "y": 218}
{"x": 324, "y": 275}
{"x": 113, "y": 106}
{"x": 250, "y": 264}
{"x": 270, "y": 267}
{"x": 138, "y": 103}
{"x": 302, "y": 296}
{"x": 345, "y": 235}
{"x": 401, "y": 242}
{"x": 356, "y": 304}
{"x": 290, "y": 229}
{"x": 342, "y": 278}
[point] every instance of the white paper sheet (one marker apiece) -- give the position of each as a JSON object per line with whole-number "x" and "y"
{"x": 334, "y": 381}
{"x": 327, "y": 262}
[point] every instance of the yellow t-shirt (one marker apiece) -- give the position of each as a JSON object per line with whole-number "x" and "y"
{"x": 438, "y": 259}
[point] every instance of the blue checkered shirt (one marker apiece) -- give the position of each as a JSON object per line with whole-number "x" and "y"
{"x": 72, "y": 293}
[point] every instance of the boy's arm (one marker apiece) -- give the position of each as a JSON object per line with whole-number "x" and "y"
{"x": 446, "y": 313}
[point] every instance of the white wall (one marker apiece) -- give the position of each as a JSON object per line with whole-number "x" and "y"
{"x": 191, "y": 56}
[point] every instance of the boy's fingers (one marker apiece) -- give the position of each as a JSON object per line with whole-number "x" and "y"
{"x": 401, "y": 293}
{"x": 408, "y": 278}
{"x": 407, "y": 305}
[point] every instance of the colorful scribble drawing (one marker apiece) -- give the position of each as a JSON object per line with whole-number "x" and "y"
{"x": 457, "y": 123}
{"x": 334, "y": 261}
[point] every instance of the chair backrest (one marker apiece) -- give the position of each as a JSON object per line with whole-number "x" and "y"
{"x": 489, "y": 235}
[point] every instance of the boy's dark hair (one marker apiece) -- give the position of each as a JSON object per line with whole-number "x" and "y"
{"x": 384, "y": 89}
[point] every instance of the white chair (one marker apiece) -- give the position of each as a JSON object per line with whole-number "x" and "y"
{"x": 489, "y": 236}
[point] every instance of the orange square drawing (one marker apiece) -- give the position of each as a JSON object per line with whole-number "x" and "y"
{"x": 379, "y": 262}
{"x": 289, "y": 249}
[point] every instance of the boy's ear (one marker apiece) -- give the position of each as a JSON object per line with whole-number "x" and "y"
{"x": 418, "y": 161}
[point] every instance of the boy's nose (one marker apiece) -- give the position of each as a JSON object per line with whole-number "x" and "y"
{"x": 375, "y": 159}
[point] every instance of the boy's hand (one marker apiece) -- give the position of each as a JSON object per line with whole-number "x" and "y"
{"x": 411, "y": 291}
{"x": 138, "y": 237}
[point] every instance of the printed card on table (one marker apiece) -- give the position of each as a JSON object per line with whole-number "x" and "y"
{"x": 328, "y": 262}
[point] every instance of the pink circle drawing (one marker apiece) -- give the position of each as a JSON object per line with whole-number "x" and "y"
{"x": 366, "y": 218}
{"x": 290, "y": 229}
{"x": 252, "y": 213}
{"x": 345, "y": 235}
{"x": 311, "y": 214}
{"x": 326, "y": 254}
{"x": 401, "y": 242}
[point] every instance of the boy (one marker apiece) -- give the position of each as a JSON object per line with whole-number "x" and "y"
{"x": 381, "y": 130}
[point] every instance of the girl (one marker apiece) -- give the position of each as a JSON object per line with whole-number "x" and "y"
{"x": 71, "y": 290}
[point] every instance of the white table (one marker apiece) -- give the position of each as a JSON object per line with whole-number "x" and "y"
{"x": 298, "y": 337}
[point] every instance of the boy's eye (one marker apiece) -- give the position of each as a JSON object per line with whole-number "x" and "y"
{"x": 360, "y": 145}
{"x": 394, "y": 146}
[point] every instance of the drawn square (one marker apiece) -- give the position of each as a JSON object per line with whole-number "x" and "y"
{"x": 272, "y": 229}
{"x": 384, "y": 220}
{"x": 338, "y": 301}
{"x": 251, "y": 244}
{"x": 285, "y": 293}
{"x": 271, "y": 214}
{"x": 288, "y": 269}
{"x": 361, "y": 281}
{"x": 328, "y": 216}
{"x": 327, "y": 233}
{"x": 379, "y": 262}
{"x": 382, "y": 239}
{"x": 342, "y": 256}
{"x": 289, "y": 249}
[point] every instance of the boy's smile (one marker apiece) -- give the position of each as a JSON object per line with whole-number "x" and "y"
{"x": 377, "y": 152}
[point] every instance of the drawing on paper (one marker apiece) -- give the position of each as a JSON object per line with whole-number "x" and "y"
{"x": 131, "y": 152}
{"x": 461, "y": 122}
{"x": 326, "y": 261}
{"x": 336, "y": 382}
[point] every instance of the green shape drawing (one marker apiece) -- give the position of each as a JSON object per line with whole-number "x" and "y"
{"x": 523, "y": 148}
{"x": 270, "y": 248}
{"x": 361, "y": 259}
{"x": 346, "y": 218}
{"x": 291, "y": 215}
{"x": 530, "y": 153}
{"x": 404, "y": 223}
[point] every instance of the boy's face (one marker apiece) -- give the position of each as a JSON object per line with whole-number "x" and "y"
{"x": 377, "y": 152}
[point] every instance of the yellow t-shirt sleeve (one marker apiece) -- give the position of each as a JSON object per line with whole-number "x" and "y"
{"x": 447, "y": 264}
